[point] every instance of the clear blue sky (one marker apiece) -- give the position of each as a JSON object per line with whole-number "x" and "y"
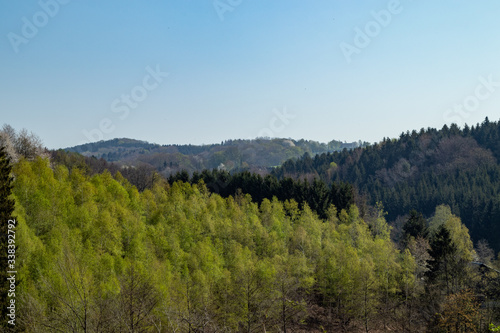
{"x": 328, "y": 68}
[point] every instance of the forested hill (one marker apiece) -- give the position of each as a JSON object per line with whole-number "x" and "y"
{"x": 95, "y": 253}
{"x": 232, "y": 155}
{"x": 453, "y": 166}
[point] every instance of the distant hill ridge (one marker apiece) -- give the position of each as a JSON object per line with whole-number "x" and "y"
{"x": 233, "y": 155}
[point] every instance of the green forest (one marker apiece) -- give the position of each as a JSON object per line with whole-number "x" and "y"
{"x": 220, "y": 252}
{"x": 420, "y": 170}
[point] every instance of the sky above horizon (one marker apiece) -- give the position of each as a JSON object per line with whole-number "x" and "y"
{"x": 204, "y": 71}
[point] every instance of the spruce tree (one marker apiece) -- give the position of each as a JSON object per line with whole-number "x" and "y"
{"x": 443, "y": 252}
{"x": 415, "y": 227}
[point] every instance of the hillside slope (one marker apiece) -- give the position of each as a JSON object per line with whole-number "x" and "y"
{"x": 453, "y": 166}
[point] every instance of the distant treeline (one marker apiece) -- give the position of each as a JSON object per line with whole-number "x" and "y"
{"x": 141, "y": 177}
{"x": 316, "y": 194}
{"x": 233, "y": 155}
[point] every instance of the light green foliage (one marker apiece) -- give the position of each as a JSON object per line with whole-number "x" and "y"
{"x": 408, "y": 267}
{"x": 458, "y": 232}
{"x": 452, "y": 254}
{"x": 95, "y": 250}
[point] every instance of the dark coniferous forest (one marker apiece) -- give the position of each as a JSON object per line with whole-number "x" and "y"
{"x": 397, "y": 236}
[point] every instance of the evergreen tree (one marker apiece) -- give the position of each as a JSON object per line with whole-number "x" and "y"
{"x": 415, "y": 227}
{"x": 443, "y": 252}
